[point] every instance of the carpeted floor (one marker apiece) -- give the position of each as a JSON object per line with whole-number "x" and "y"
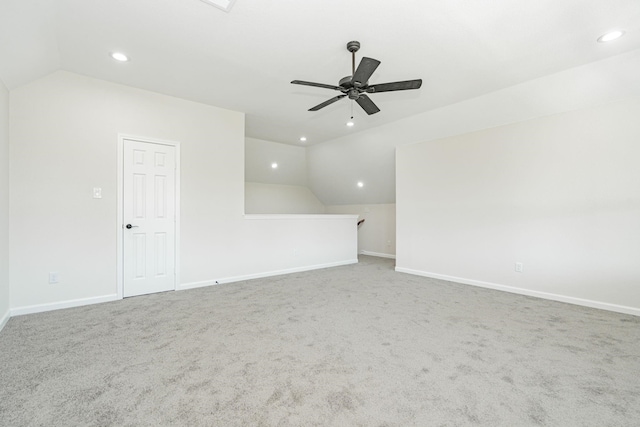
{"x": 359, "y": 345}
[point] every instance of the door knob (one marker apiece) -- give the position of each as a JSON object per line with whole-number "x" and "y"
{"x": 130, "y": 226}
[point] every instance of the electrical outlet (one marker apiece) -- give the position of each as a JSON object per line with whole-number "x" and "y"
{"x": 519, "y": 267}
{"x": 97, "y": 193}
{"x": 54, "y": 277}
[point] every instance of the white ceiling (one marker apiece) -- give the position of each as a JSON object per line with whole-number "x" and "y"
{"x": 244, "y": 60}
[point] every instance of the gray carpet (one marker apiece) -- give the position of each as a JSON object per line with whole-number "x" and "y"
{"x": 358, "y": 345}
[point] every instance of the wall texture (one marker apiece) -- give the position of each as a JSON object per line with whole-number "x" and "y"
{"x": 377, "y": 234}
{"x": 64, "y": 135}
{"x": 262, "y": 198}
{"x": 560, "y": 194}
{"x": 4, "y": 205}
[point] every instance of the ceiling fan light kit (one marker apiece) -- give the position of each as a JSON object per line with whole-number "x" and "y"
{"x": 356, "y": 86}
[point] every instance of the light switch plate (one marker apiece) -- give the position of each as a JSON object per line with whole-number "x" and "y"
{"x": 97, "y": 193}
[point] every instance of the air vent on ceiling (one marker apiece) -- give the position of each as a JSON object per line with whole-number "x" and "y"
{"x": 221, "y": 4}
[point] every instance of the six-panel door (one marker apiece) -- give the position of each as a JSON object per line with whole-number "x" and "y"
{"x": 149, "y": 217}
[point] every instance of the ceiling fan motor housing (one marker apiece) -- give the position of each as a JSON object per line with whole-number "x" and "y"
{"x": 347, "y": 83}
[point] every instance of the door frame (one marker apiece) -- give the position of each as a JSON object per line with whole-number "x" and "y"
{"x": 120, "y": 208}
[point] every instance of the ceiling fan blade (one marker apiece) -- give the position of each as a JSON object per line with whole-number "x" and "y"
{"x": 367, "y": 104}
{"x": 325, "y": 103}
{"x": 300, "y": 82}
{"x": 366, "y": 67}
{"x": 390, "y": 87}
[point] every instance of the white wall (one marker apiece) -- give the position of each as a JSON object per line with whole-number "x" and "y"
{"x": 291, "y": 160}
{"x": 282, "y": 190}
{"x": 561, "y": 194}
{"x": 4, "y": 205}
{"x": 64, "y": 135}
{"x": 276, "y": 199}
{"x": 377, "y": 234}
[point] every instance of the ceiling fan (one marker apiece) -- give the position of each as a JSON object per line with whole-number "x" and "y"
{"x": 356, "y": 86}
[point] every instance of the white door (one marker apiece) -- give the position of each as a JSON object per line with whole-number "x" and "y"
{"x": 149, "y": 217}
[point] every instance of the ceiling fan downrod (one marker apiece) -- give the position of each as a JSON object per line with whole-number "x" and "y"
{"x": 353, "y": 46}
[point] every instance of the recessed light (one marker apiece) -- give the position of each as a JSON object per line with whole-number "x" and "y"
{"x": 350, "y": 124}
{"x": 303, "y": 138}
{"x": 610, "y": 36}
{"x": 119, "y": 56}
{"x": 360, "y": 184}
{"x": 274, "y": 165}
{"x": 221, "y": 4}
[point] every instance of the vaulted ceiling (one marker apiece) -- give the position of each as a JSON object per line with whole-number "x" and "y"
{"x": 245, "y": 59}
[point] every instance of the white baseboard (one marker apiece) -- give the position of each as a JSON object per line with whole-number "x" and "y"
{"x": 4, "y": 319}
{"x": 193, "y": 285}
{"x": 544, "y": 295}
{"x": 39, "y": 308}
{"x": 378, "y": 254}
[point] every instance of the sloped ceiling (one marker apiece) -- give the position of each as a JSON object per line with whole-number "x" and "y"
{"x": 244, "y": 60}
{"x": 483, "y": 63}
